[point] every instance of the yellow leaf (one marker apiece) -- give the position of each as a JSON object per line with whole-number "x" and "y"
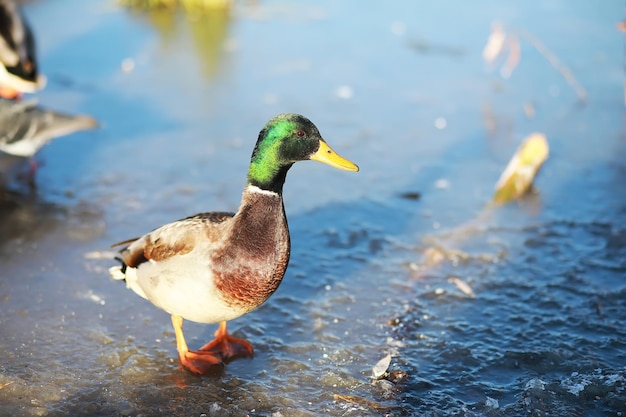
{"x": 522, "y": 169}
{"x": 495, "y": 43}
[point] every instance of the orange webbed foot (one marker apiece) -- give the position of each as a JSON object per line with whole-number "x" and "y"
{"x": 228, "y": 347}
{"x": 200, "y": 362}
{"x": 195, "y": 361}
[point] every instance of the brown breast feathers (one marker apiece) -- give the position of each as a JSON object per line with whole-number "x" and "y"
{"x": 253, "y": 261}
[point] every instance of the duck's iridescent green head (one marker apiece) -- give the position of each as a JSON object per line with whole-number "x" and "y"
{"x": 284, "y": 140}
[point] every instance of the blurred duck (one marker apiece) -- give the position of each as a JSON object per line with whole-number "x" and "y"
{"x": 18, "y": 64}
{"x": 25, "y": 128}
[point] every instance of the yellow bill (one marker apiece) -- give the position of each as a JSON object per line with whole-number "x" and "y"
{"x": 326, "y": 155}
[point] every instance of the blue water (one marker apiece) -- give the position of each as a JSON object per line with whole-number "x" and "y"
{"x": 403, "y": 91}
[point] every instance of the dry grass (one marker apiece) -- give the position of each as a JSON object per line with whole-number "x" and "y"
{"x": 172, "y": 4}
{"x": 506, "y": 41}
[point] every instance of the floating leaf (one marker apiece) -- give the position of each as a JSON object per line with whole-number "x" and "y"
{"x": 381, "y": 367}
{"x": 463, "y": 286}
{"x": 498, "y": 43}
{"x": 495, "y": 43}
{"x": 522, "y": 169}
{"x": 492, "y": 403}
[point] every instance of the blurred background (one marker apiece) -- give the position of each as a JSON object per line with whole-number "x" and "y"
{"x": 409, "y": 292}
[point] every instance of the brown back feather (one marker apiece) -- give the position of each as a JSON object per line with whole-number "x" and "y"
{"x": 170, "y": 240}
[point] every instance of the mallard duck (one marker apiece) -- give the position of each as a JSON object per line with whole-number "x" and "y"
{"x": 214, "y": 267}
{"x": 19, "y": 72}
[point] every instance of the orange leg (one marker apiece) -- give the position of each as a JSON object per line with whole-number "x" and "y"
{"x": 33, "y": 165}
{"x": 9, "y": 93}
{"x": 198, "y": 362}
{"x": 228, "y": 347}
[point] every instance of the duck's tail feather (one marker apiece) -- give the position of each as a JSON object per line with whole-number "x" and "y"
{"x": 118, "y": 272}
{"x": 124, "y": 273}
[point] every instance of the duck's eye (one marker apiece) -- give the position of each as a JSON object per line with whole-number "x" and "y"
{"x": 300, "y": 133}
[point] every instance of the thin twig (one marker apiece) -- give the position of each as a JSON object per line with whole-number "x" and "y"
{"x": 3, "y": 386}
{"x": 556, "y": 63}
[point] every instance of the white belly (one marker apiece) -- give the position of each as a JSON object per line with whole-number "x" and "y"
{"x": 189, "y": 292}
